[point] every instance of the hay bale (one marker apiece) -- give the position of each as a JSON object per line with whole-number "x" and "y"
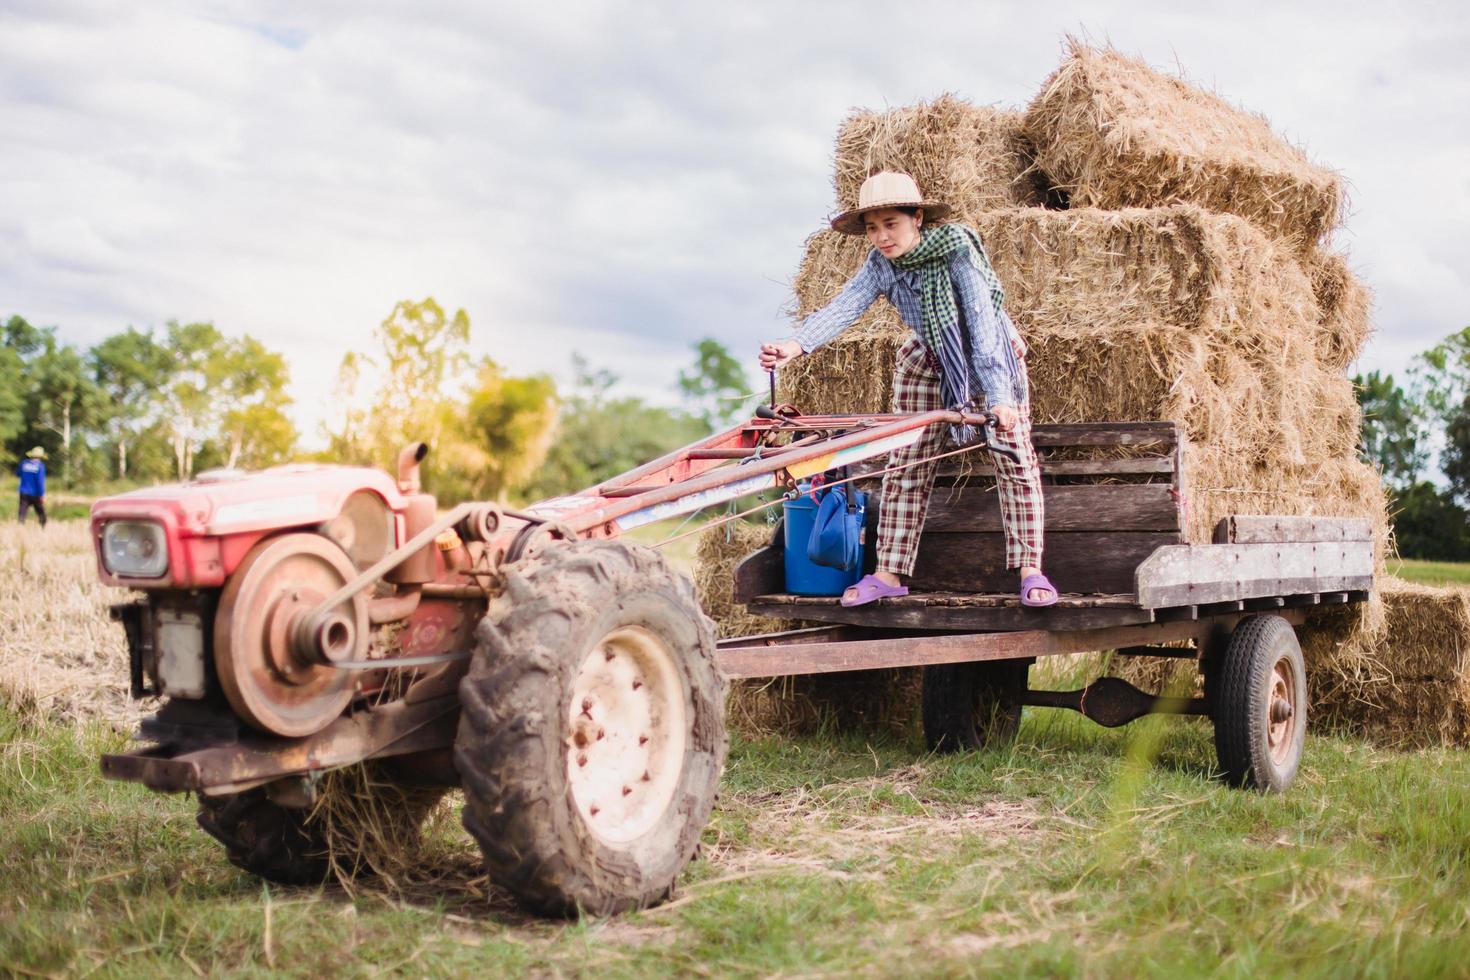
{"x": 720, "y": 549}
{"x": 873, "y": 701}
{"x": 1344, "y": 305}
{"x": 1165, "y": 313}
{"x": 971, "y": 157}
{"x": 1115, "y": 134}
{"x": 1396, "y": 670}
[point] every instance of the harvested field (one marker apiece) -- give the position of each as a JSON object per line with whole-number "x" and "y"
{"x": 1114, "y": 133}
{"x": 60, "y": 655}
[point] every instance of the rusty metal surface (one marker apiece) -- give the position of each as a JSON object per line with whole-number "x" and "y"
{"x": 1112, "y": 701}
{"x": 265, "y": 675}
{"x": 394, "y": 729}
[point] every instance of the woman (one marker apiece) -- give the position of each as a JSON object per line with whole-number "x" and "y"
{"x": 965, "y": 351}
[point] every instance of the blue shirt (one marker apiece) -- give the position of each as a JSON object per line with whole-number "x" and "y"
{"x": 995, "y": 345}
{"x": 33, "y": 478}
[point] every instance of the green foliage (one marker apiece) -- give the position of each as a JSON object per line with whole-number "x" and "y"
{"x": 599, "y": 436}
{"x": 488, "y": 431}
{"x": 497, "y": 439}
{"x": 716, "y": 385}
{"x": 1429, "y": 524}
{"x": 1392, "y": 428}
{"x": 131, "y": 372}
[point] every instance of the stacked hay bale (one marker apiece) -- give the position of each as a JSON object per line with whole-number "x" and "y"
{"x": 878, "y": 700}
{"x": 1189, "y": 277}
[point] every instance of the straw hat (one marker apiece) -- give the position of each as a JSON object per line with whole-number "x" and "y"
{"x": 37, "y": 453}
{"x": 887, "y": 189}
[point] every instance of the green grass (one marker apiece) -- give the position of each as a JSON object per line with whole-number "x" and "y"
{"x": 1431, "y": 572}
{"x": 1079, "y": 851}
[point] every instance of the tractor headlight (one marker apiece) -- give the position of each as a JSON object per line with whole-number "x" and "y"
{"x": 134, "y": 549}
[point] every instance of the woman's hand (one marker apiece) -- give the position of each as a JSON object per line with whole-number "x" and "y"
{"x": 1006, "y": 417}
{"x": 776, "y": 354}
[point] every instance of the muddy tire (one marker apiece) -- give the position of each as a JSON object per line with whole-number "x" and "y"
{"x": 1258, "y": 701}
{"x": 265, "y": 838}
{"x": 592, "y": 735}
{"x": 972, "y": 706}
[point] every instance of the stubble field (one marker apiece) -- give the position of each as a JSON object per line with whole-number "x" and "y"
{"x": 1078, "y": 851}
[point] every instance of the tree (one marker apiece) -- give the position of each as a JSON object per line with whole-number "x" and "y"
{"x": 1429, "y": 525}
{"x": 599, "y": 436}
{"x": 130, "y": 370}
{"x": 421, "y": 354}
{"x": 716, "y": 384}
{"x": 251, "y": 400}
{"x": 497, "y": 439}
{"x": 54, "y": 389}
{"x": 1392, "y": 429}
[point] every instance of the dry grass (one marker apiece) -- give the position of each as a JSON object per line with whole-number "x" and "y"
{"x": 1117, "y": 134}
{"x": 61, "y": 657}
{"x": 1345, "y": 308}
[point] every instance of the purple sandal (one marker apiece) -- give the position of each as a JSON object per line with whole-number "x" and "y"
{"x": 870, "y": 588}
{"x": 1038, "y": 581}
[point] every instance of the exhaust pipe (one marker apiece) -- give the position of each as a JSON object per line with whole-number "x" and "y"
{"x": 409, "y": 458}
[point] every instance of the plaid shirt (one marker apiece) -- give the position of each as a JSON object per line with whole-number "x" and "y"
{"x": 995, "y": 346}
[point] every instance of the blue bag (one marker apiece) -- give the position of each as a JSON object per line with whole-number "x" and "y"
{"x": 837, "y": 532}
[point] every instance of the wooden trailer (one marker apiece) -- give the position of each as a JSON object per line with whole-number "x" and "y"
{"x": 1115, "y": 518}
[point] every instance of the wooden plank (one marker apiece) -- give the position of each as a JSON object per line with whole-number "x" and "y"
{"x": 1105, "y": 434}
{"x": 1094, "y": 507}
{"x": 1137, "y": 465}
{"x": 1178, "y": 575}
{"x": 882, "y": 614}
{"x": 1268, "y": 529}
{"x": 1077, "y": 561}
{"x": 913, "y": 651}
{"x": 761, "y": 572}
{"x": 983, "y": 600}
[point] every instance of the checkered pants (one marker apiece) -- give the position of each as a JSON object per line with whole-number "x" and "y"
{"x": 906, "y": 491}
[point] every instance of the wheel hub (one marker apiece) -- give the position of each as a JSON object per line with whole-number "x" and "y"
{"x": 264, "y": 665}
{"x": 1281, "y": 712}
{"x": 626, "y": 734}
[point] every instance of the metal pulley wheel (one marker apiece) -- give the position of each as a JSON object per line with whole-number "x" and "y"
{"x": 271, "y": 680}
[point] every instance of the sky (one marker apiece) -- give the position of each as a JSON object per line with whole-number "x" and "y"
{"x": 614, "y": 179}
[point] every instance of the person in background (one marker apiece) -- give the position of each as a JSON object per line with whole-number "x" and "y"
{"x": 964, "y": 353}
{"x": 32, "y": 471}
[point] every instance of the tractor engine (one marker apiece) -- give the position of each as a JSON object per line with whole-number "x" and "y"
{"x": 234, "y": 569}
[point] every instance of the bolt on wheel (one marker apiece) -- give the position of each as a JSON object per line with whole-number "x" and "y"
{"x": 627, "y": 720}
{"x": 1259, "y": 704}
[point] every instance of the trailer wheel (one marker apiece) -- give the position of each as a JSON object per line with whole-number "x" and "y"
{"x": 1259, "y": 705}
{"x": 972, "y": 705}
{"x": 265, "y": 838}
{"x": 592, "y": 735}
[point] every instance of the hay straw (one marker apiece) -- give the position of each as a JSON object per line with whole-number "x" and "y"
{"x": 376, "y": 827}
{"x": 1396, "y": 670}
{"x": 971, "y": 157}
{"x": 1345, "y": 306}
{"x": 1115, "y": 134}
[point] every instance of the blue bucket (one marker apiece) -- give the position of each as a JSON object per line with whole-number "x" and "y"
{"x": 804, "y": 576}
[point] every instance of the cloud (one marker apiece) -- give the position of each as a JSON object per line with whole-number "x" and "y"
{"x": 614, "y": 179}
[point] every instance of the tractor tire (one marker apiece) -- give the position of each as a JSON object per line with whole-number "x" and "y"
{"x": 265, "y": 838}
{"x": 592, "y": 732}
{"x": 972, "y": 706}
{"x": 1258, "y": 701}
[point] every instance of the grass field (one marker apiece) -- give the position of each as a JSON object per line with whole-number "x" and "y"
{"x": 1079, "y": 851}
{"x": 1431, "y": 572}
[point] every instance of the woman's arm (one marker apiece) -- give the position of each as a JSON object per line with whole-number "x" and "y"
{"x": 988, "y": 337}
{"x": 826, "y": 324}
